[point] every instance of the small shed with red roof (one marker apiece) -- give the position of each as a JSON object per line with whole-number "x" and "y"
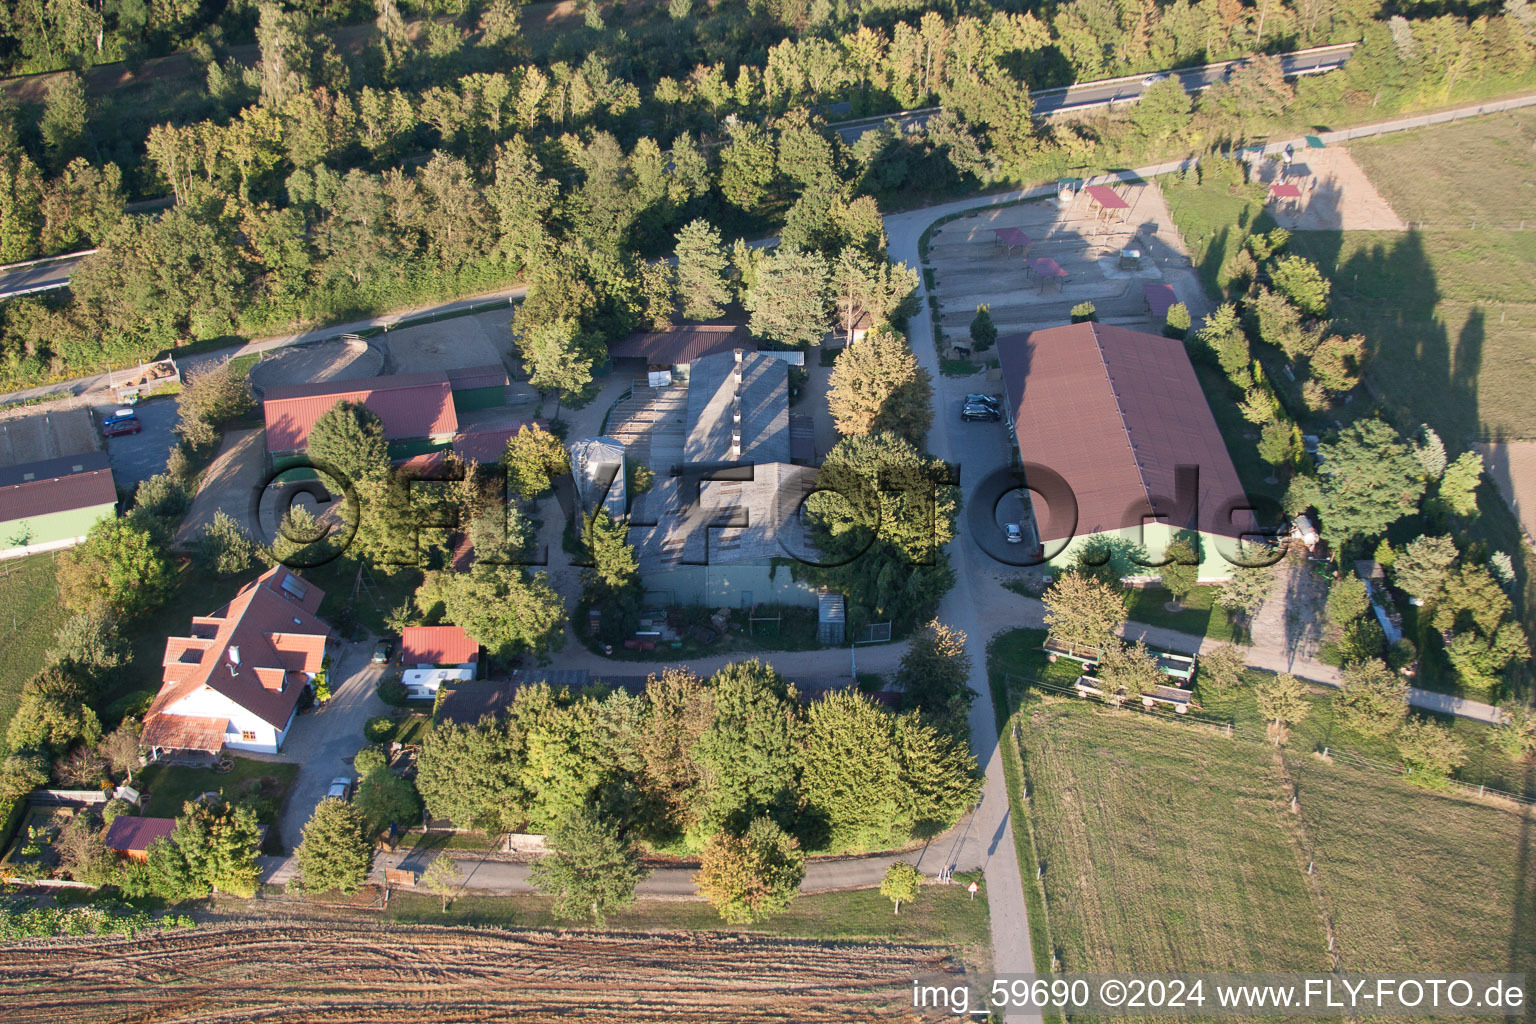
{"x": 432, "y": 646}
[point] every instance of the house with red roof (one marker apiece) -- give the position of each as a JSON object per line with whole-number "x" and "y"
{"x": 236, "y": 680}
{"x": 433, "y": 655}
{"x": 53, "y": 503}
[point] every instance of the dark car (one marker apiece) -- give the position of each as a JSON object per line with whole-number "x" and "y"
{"x": 982, "y": 413}
{"x": 119, "y": 425}
{"x": 381, "y": 652}
{"x": 991, "y": 400}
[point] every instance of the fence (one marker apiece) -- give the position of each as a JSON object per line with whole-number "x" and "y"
{"x": 1372, "y": 764}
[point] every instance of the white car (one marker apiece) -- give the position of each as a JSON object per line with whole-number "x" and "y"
{"x": 1153, "y": 80}
{"x": 1013, "y": 534}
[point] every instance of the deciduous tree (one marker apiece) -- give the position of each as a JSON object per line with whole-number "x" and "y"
{"x": 349, "y": 437}
{"x": 592, "y": 869}
{"x": 901, "y": 884}
{"x": 934, "y": 677}
{"x": 118, "y": 566}
{"x": 877, "y": 385}
{"x": 1080, "y": 609}
{"x": 534, "y": 457}
{"x": 1373, "y": 700}
{"x": 219, "y": 841}
{"x": 1282, "y": 698}
{"x": 752, "y": 876}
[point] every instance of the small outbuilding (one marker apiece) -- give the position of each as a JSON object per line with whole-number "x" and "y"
{"x": 131, "y": 836}
{"x": 831, "y": 619}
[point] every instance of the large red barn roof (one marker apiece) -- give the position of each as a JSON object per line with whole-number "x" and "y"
{"x": 1117, "y": 412}
{"x": 409, "y": 405}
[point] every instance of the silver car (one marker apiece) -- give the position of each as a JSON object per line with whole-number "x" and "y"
{"x": 341, "y": 789}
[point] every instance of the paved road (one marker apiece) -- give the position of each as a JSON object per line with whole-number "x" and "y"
{"x": 1087, "y": 95}
{"x": 38, "y": 276}
{"x": 97, "y": 388}
{"x": 324, "y": 742}
{"x": 952, "y": 440}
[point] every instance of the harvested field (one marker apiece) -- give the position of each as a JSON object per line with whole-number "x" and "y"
{"x": 347, "y": 971}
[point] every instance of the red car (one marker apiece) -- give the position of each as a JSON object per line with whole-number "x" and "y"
{"x": 121, "y": 425}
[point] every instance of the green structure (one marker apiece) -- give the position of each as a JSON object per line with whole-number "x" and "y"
{"x": 48, "y": 505}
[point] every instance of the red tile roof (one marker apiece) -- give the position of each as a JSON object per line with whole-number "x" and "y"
{"x": 130, "y": 832}
{"x": 56, "y": 485}
{"x": 271, "y": 623}
{"x": 410, "y": 405}
{"x": 185, "y": 732}
{"x": 682, "y": 344}
{"x": 1116, "y": 412}
{"x": 436, "y": 645}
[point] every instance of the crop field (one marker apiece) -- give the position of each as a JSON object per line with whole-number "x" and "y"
{"x": 361, "y": 971}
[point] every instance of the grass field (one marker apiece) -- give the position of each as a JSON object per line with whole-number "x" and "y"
{"x": 1199, "y": 616}
{"x": 170, "y": 786}
{"x": 943, "y": 914}
{"x": 29, "y": 599}
{"x": 1171, "y": 846}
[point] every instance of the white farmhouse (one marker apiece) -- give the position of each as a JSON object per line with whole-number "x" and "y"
{"x": 236, "y": 681}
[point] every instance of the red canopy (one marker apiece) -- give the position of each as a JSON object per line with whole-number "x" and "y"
{"x": 1011, "y": 236}
{"x": 1106, "y": 197}
{"x": 1280, "y": 191}
{"x": 1159, "y": 298}
{"x": 1044, "y": 266}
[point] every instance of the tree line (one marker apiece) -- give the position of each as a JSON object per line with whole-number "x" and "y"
{"x": 691, "y": 757}
{"x": 323, "y": 185}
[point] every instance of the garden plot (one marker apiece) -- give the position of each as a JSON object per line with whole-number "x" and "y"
{"x": 972, "y": 266}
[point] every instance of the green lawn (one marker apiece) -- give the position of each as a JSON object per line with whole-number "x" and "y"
{"x": 1173, "y": 848}
{"x": 29, "y": 596}
{"x": 1199, "y": 615}
{"x": 265, "y": 783}
{"x": 942, "y": 915}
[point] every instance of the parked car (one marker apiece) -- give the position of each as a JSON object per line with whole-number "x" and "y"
{"x": 120, "y": 424}
{"x": 341, "y": 789}
{"x": 991, "y": 400}
{"x": 382, "y": 651}
{"x": 1232, "y": 69}
{"x": 1153, "y": 80}
{"x": 1013, "y": 534}
{"x": 982, "y": 413}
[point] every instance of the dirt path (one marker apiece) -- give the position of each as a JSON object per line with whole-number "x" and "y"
{"x": 360, "y": 971}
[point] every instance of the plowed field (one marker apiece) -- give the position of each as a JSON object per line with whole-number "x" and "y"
{"x": 343, "y": 971}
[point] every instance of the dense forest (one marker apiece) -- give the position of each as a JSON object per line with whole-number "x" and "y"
{"x": 340, "y": 158}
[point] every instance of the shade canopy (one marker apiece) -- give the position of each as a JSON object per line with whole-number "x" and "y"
{"x": 1011, "y": 236}
{"x": 1044, "y": 266}
{"x": 1286, "y": 191}
{"x": 1106, "y": 197}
